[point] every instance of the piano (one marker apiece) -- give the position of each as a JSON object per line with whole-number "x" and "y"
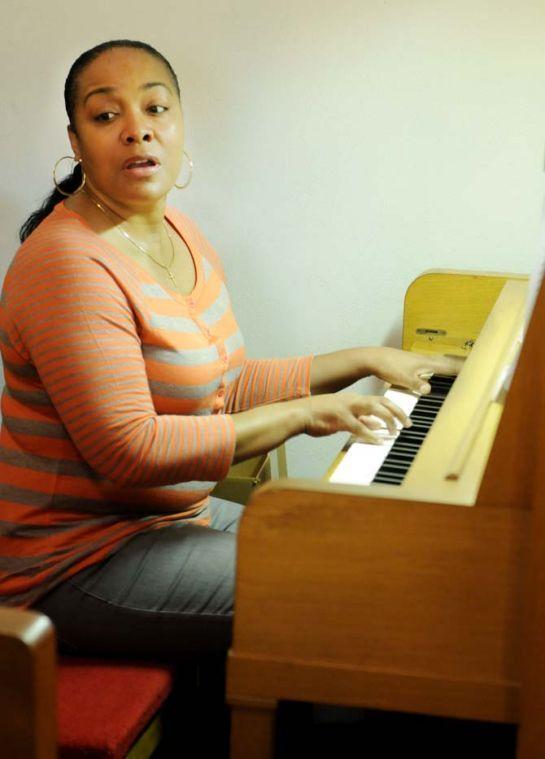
{"x": 421, "y": 586}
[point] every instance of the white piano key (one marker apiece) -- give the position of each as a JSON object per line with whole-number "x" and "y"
{"x": 361, "y": 462}
{"x": 405, "y": 400}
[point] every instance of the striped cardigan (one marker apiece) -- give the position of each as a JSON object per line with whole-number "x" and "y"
{"x": 117, "y": 400}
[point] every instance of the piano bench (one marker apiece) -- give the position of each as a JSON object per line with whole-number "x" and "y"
{"x": 105, "y": 707}
{"x": 72, "y": 707}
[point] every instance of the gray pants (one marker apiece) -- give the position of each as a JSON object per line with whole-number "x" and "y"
{"x": 166, "y": 594}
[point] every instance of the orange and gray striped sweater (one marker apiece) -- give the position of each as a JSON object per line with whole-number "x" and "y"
{"x": 117, "y": 400}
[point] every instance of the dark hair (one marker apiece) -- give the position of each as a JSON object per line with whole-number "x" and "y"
{"x": 70, "y": 183}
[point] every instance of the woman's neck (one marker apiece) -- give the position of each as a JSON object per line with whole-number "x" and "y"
{"x": 145, "y": 221}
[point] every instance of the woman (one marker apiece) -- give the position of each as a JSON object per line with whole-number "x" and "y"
{"x": 128, "y": 393}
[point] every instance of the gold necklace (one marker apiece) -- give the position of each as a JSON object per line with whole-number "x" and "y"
{"x": 112, "y": 214}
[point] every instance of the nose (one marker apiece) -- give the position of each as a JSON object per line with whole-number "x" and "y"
{"x": 136, "y": 130}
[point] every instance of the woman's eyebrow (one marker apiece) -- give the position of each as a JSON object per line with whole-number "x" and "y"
{"x": 149, "y": 85}
{"x": 109, "y": 90}
{"x": 98, "y": 91}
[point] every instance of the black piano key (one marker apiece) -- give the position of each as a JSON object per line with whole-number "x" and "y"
{"x": 412, "y": 439}
{"x": 431, "y": 402}
{"x": 393, "y": 468}
{"x": 423, "y": 425}
{"x": 402, "y": 462}
{"x": 401, "y": 455}
{"x": 405, "y": 444}
{"x": 387, "y": 479}
{"x": 417, "y": 429}
{"x": 413, "y": 434}
{"x": 419, "y": 422}
{"x": 400, "y": 459}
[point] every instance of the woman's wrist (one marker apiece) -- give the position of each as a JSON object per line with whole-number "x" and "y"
{"x": 334, "y": 371}
{"x": 296, "y": 416}
{"x": 263, "y": 428}
{"x": 370, "y": 360}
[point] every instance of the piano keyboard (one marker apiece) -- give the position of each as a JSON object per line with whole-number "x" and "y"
{"x": 407, "y": 443}
{"x": 366, "y": 463}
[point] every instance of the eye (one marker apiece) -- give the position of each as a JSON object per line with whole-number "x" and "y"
{"x": 158, "y": 109}
{"x": 105, "y": 116}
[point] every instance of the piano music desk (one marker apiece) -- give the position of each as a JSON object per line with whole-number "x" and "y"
{"x": 408, "y": 598}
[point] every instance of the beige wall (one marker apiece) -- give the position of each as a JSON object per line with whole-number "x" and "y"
{"x": 340, "y": 147}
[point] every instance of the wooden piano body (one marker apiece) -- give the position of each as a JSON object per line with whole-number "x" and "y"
{"x": 428, "y": 597}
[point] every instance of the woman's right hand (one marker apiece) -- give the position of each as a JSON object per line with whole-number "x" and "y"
{"x": 358, "y": 414}
{"x": 263, "y": 428}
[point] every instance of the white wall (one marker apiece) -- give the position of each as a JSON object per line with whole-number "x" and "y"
{"x": 340, "y": 147}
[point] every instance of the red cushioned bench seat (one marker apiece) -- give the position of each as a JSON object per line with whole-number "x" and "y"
{"x": 103, "y": 706}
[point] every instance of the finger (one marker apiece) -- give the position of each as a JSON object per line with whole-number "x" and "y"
{"x": 372, "y": 422}
{"x": 390, "y": 419}
{"x": 443, "y": 364}
{"x": 454, "y": 364}
{"x": 363, "y": 433}
{"x": 416, "y": 384}
{"x": 379, "y": 429}
{"x": 416, "y": 380}
{"x": 395, "y": 412}
{"x": 422, "y": 386}
{"x": 446, "y": 365}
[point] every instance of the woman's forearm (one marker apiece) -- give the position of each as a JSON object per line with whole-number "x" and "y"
{"x": 266, "y": 427}
{"x": 334, "y": 371}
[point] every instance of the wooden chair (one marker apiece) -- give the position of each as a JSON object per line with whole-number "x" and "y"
{"x": 74, "y": 707}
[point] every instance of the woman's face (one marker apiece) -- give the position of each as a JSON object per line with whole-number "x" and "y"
{"x": 129, "y": 128}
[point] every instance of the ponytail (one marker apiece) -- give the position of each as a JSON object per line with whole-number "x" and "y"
{"x": 69, "y": 185}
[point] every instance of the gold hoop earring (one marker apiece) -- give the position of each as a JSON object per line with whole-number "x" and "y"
{"x": 57, "y": 185}
{"x": 190, "y": 177}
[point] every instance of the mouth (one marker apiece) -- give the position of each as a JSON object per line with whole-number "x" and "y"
{"x": 141, "y": 165}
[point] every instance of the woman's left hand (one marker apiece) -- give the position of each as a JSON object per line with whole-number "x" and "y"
{"x": 412, "y": 370}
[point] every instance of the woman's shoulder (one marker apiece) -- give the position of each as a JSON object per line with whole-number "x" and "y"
{"x": 63, "y": 229}
{"x": 62, "y": 234}
{"x": 60, "y": 243}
